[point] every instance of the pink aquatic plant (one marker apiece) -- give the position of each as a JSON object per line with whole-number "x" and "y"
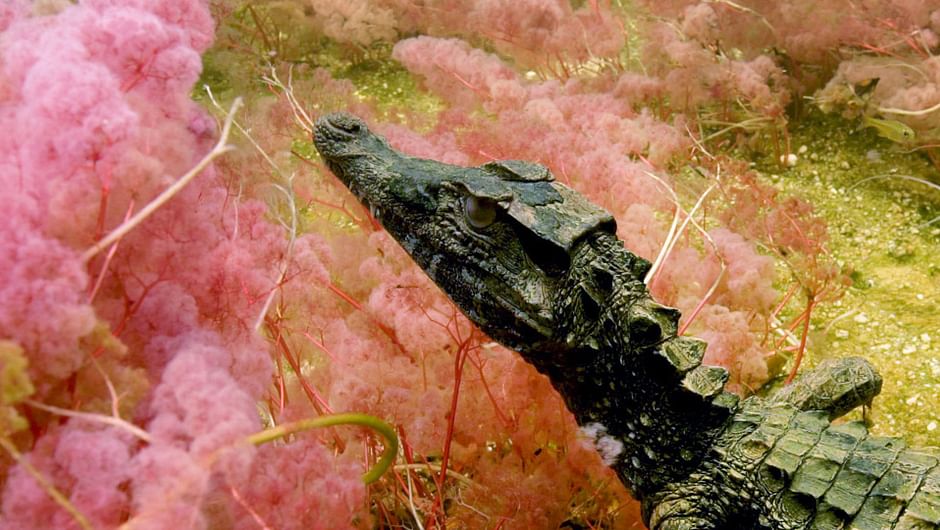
{"x": 134, "y": 371}
{"x": 158, "y": 329}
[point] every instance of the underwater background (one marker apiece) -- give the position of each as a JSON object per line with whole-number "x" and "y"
{"x": 181, "y": 276}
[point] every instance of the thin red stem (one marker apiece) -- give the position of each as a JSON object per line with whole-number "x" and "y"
{"x": 799, "y": 353}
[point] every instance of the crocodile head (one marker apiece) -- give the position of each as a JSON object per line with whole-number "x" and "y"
{"x": 541, "y": 270}
{"x": 498, "y": 238}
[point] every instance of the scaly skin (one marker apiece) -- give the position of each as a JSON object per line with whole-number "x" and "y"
{"x": 540, "y": 269}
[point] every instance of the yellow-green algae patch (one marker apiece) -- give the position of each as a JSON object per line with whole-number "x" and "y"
{"x": 879, "y": 227}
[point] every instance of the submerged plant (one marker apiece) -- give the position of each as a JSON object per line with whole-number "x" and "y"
{"x": 167, "y": 298}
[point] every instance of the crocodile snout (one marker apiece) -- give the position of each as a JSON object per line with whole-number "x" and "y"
{"x": 337, "y": 128}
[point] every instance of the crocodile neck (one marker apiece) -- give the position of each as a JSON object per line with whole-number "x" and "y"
{"x": 633, "y": 386}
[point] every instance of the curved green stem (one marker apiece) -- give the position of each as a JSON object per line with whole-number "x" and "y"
{"x": 353, "y": 418}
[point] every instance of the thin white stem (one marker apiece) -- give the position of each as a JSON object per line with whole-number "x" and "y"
{"x": 297, "y": 106}
{"x": 242, "y": 130}
{"x": 428, "y": 467}
{"x": 286, "y": 190}
{"x": 714, "y": 286}
{"x": 47, "y": 486}
{"x": 115, "y": 399}
{"x": 672, "y": 229}
{"x": 905, "y": 112}
{"x": 93, "y": 417}
{"x": 304, "y": 121}
{"x": 685, "y": 223}
{"x": 781, "y": 329}
{"x": 292, "y": 231}
{"x": 220, "y": 148}
{"x": 673, "y": 237}
{"x": 925, "y": 182}
{"x": 411, "y": 502}
{"x": 893, "y": 176}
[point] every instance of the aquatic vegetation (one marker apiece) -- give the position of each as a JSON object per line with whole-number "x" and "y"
{"x": 133, "y": 366}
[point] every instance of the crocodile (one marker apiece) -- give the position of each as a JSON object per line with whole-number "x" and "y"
{"x": 539, "y": 268}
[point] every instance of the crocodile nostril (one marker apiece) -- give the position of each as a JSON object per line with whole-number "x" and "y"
{"x": 345, "y": 123}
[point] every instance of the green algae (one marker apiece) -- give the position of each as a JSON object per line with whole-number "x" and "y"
{"x": 878, "y": 227}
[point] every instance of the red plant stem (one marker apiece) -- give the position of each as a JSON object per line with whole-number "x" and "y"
{"x": 564, "y": 173}
{"x": 799, "y": 353}
{"x": 345, "y": 211}
{"x": 691, "y": 318}
{"x": 102, "y": 210}
{"x": 876, "y": 49}
{"x": 778, "y": 344}
{"x": 353, "y": 302}
{"x": 281, "y": 387}
{"x": 486, "y": 387}
{"x": 463, "y": 352}
{"x": 251, "y": 511}
{"x": 799, "y": 318}
{"x": 321, "y": 406}
{"x": 408, "y": 452}
{"x": 783, "y": 302}
{"x": 776, "y": 140}
{"x": 129, "y": 309}
{"x": 111, "y": 252}
{"x": 466, "y": 83}
{"x": 319, "y": 344}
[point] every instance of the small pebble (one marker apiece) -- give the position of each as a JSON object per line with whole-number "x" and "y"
{"x": 802, "y": 150}
{"x": 932, "y": 426}
{"x": 908, "y": 349}
{"x": 789, "y": 160}
{"x": 842, "y": 333}
{"x": 861, "y": 318}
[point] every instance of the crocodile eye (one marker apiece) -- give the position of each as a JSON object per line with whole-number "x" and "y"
{"x": 480, "y": 212}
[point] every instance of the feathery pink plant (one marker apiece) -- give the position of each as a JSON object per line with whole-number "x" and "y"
{"x": 227, "y": 301}
{"x": 97, "y": 119}
{"x": 549, "y": 35}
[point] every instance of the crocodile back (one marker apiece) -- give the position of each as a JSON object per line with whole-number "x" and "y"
{"x": 801, "y": 471}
